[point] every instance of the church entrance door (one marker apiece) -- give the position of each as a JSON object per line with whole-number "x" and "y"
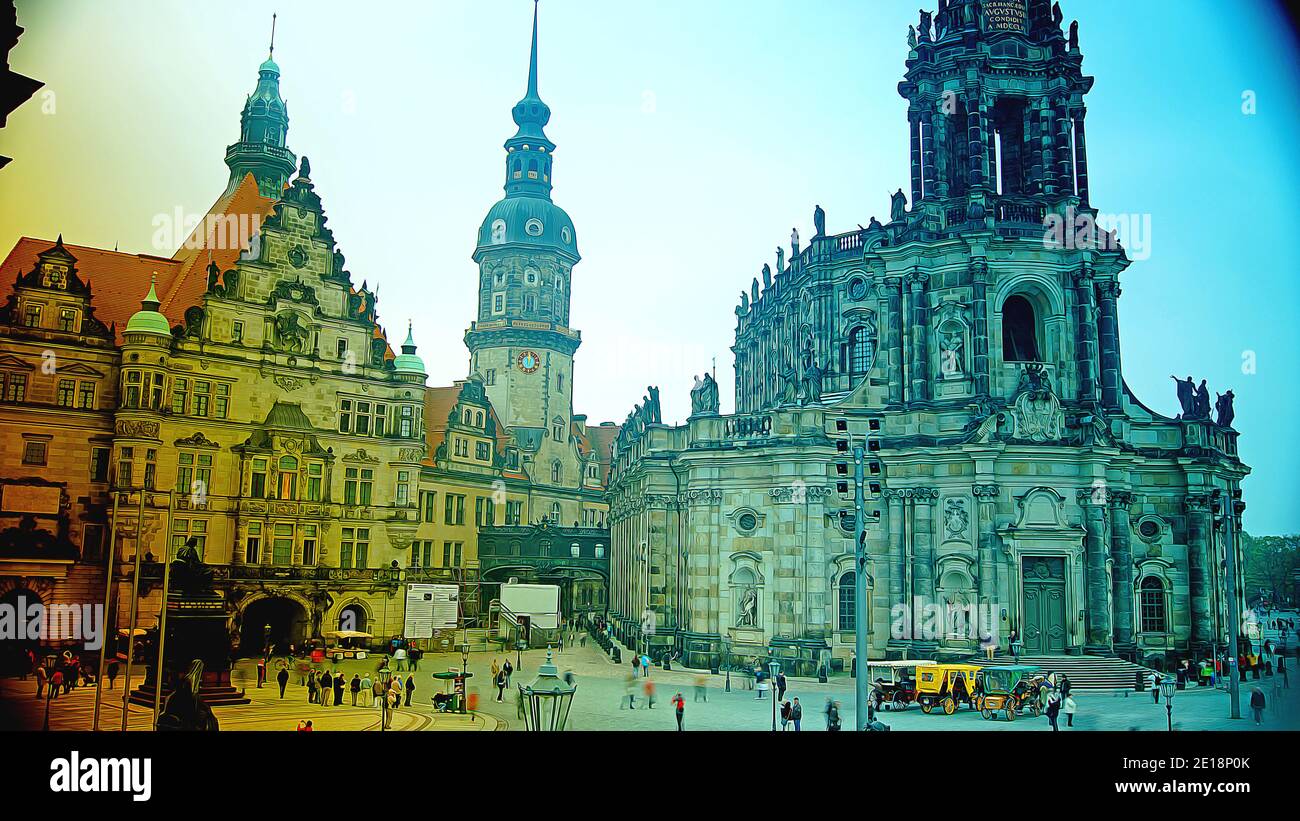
{"x": 1044, "y": 604}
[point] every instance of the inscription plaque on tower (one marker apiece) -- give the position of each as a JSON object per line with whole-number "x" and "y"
{"x": 1006, "y": 15}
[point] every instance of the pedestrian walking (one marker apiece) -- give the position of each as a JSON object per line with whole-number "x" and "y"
{"x": 338, "y": 689}
{"x": 414, "y": 656}
{"x": 1257, "y": 704}
{"x": 113, "y": 668}
{"x": 500, "y": 681}
{"x": 311, "y": 689}
{"x": 56, "y": 682}
{"x": 282, "y": 678}
{"x": 559, "y": 642}
{"x": 679, "y": 706}
{"x": 796, "y": 714}
{"x": 410, "y": 689}
{"x": 496, "y": 668}
{"x": 780, "y": 686}
{"x": 509, "y": 670}
{"x": 366, "y": 684}
{"x": 636, "y": 664}
{"x": 1155, "y": 679}
{"x": 645, "y": 665}
{"x": 649, "y": 689}
{"x": 40, "y": 680}
{"x": 785, "y": 715}
{"x": 354, "y": 687}
{"x": 377, "y": 693}
{"x": 326, "y": 687}
{"x": 1069, "y": 706}
{"x": 400, "y": 657}
{"x": 629, "y": 691}
{"x": 701, "y": 689}
{"x": 261, "y": 672}
{"x": 1053, "y": 709}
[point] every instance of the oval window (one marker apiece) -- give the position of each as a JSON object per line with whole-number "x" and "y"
{"x": 534, "y": 228}
{"x": 858, "y": 289}
{"x": 747, "y": 522}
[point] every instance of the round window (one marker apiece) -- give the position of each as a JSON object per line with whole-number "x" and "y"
{"x": 1149, "y": 530}
{"x": 566, "y": 235}
{"x": 858, "y": 289}
{"x": 534, "y": 228}
{"x": 747, "y": 522}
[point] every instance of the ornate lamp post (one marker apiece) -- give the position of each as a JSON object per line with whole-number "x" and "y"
{"x": 547, "y": 700}
{"x": 773, "y": 668}
{"x": 1168, "y": 686}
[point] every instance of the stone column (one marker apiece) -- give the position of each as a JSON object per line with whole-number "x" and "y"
{"x": 920, "y": 366}
{"x": 1108, "y": 331}
{"x": 1198, "y": 575}
{"x": 1045, "y": 147}
{"x": 975, "y": 142}
{"x": 1064, "y": 158}
{"x": 923, "y": 500}
{"x": 897, "y": 571}
{"x": 939, "y": 126}
{"x": 1095, "y": 583}
{"x": 979, "y": 275}
{"x": 1121, "y": 553}
{"x": 927, "y": 157}
{"x": 986, "y": 497}
{"x": 914, "y": 125}
{"x": 1085, "y": 346}
{"x": 894, "y": 338}
{"x": 1080, "y": 156}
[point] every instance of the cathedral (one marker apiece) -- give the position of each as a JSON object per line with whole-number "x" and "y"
{"x": 1015, "y": 489}
{"x": 242, "y": 396}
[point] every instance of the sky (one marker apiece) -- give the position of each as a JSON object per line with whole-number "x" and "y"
{"x": 691, "y": 137}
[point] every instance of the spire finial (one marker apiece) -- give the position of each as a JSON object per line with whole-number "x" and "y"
{"x": 532, "y": 62}
{"x": 273, "y": 16}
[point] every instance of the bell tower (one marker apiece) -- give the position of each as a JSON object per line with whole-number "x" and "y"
{"x": 263, "y": 130}
{"x": 521, "y": 345}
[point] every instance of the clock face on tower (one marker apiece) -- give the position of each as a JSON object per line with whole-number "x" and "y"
{"x": 529, "y": 361}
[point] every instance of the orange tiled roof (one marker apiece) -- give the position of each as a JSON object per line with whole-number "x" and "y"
{"x": 119, "y": 280}
{"x": 600, "y": 440}
{"x": 438, "y": 403}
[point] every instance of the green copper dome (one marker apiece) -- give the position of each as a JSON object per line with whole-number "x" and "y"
{"x": 528, "y": 221}
{"x": 147, "y": 320}
{"x": 407, "y": 361}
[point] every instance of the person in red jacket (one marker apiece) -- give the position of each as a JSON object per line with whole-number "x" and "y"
{"x": 679, "y": 706}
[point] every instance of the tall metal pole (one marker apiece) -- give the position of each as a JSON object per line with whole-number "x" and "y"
{"x": 1234, "y": 605}
{"x": 110, "y": 638}
{"x": 860, "y": 590}
{"x": 162, "y": 616}
{"x": 135, "y": 601}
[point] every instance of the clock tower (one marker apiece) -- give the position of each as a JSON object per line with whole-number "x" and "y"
{"x": 521, "y": 345}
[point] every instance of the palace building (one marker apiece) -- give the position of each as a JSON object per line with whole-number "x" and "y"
{"x": 243, "y": 393}
{"x": 1013, "y": 481}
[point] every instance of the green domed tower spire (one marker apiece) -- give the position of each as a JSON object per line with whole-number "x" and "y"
{"x": 263, "y": 131}
{"x": 148, "y": 320}
{"x": 528, "y": 153}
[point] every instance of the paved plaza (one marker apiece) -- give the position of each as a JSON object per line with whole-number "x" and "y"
{"x": 600, "y": 703}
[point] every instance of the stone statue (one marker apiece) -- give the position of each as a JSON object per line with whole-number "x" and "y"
{"x": 911, "y": 37}
{"x": 1201, "y": 409}
{"x": 819, "y": 222}
{"x": 653, "y": 409}
{"x": 744, "y": 302}
{"x": 789, "y": 384}
{"x": 189, "y": 575}
{"x": 290, "y": 333}
{"x": 1057, "y": 16}
{"x": 897, "y": 206}
{"x": 925, "y": 26}
{"x": 1224, "y": 407}
{"x": 1074, "y": 35}
{"x": 748, "y": 616}
{"x": 185, "y": 710}
{"x": 875, "y": 225}
{"x": 753, "y": 290}
{"x": 951, "y": 360}
{"x": 812, "y": 381}
{"x": 1186, "y": 396}
{"x": 767, "y": 276}
{"x": 794, "y": 242}
{"x": 704, "y": 396}
{"x": 780, "y": 261}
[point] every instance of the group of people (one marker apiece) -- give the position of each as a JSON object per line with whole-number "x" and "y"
{"x": 1055, "y": 699}
{"x": 64, "y": 674}
{"x": 501, "y": 674}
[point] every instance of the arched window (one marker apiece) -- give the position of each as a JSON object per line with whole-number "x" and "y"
{"x": 288, "y": 478}
{"x": 1151, "y": 605}
{"x": 847, "y": 601}
{"x": 555, "y": 512}
{"x": 858, "y": 359}
{"x": 1019, "y": 331}
{"x": 556, "y": 469}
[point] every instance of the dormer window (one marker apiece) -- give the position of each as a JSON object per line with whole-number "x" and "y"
{"x": 32, "y": 315}
{"x": 68, "y": 320}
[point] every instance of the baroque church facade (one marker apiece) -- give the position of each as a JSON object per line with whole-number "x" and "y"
{"x": 1013, "y": 482}
{"x": 243, "y": 394}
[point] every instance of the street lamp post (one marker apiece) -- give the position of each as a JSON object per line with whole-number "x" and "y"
{"x": 861, "y": 694}
{"x": 1168, "y": 686}
{"x": 386, "y": 674}
{"x": 773, "y": 669}
{"x": 548, "y": 699}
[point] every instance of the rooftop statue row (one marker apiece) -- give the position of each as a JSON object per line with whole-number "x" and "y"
{"x": 1195, "y": 402}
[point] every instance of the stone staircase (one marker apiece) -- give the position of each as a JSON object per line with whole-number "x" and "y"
{"x": 1085, "y": 672}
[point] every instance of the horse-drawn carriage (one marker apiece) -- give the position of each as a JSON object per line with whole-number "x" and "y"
{"x": 1009, "y": 690}
{"x": 894, "y": 682}
{"x": 946, "y": 686}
